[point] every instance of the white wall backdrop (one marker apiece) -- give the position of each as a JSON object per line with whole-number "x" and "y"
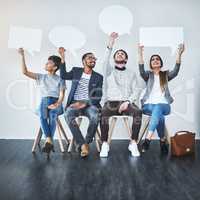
{"x": 81, "y": 26}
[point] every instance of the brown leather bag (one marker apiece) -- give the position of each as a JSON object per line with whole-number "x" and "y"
{"x": 183, "y": 143}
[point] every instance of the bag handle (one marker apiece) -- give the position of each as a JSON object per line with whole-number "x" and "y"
{"x": 177, "y": 133}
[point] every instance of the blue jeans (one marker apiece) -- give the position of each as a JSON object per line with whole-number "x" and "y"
{"x": 49, "y": 117}
{"x": 92, "y": 112}
{"x": 157, "y": 113}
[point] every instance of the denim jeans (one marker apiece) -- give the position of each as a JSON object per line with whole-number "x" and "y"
{"x": 48, "y": 117}
{"x": 92, "y": 112}
{"x": 157, "y": 113}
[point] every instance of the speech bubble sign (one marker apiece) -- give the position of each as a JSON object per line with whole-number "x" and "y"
{"x": 68, "y": 37}
{"x": 162, "y": 37}
{"x": 116, "y": 18}
{"x": 28, "y": 38}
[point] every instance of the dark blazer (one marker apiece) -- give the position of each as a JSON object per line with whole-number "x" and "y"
{"x": 95, "y": 84}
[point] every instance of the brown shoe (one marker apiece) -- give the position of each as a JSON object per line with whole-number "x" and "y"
{"x": 84, "y": 150}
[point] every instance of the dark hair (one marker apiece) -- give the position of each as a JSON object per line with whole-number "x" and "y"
{"x": 126, "y": 55}
{"x": 162, "y": 74}
{"x": 161, "y": 61}
{"x": 56, "y": 60}
{"x": 85, "y": 55}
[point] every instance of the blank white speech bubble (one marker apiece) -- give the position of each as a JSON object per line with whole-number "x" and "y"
{"x": 162, "y": 37}
{"x": 28, "y": 38}
{"x": 116, "y": 18}
{"x": 68, "y": 37}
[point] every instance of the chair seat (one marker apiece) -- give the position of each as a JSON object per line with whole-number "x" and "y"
{"x": 121, "y": 116}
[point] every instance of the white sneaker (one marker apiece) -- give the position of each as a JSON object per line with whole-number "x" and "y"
{"x": 104, "y": 150}
{"x": 133, "y": 148}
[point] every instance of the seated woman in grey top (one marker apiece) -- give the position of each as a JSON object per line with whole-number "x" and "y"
{"x": 52, "y": 90}
{"x": 157, "y": 99}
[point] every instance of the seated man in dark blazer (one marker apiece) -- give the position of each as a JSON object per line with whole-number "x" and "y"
{"x": 84, "y": 98}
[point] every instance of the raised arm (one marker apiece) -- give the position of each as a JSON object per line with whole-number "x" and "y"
{"x": 25, "y": 71}
{"x": 106, "y": 64}
{"x": 144, "y": 74}
{"x": 63, "y": 73}
{"x": 173, "y": 73}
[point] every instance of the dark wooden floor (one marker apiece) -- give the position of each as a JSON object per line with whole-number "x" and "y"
{"x": 67, "y": 176}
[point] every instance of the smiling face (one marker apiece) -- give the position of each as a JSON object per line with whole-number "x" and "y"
{"x": 156, "y": 62}
{"x": 89, "y": 60}
{"x": 120, "y": 57}
{"x": 50, "y": 66}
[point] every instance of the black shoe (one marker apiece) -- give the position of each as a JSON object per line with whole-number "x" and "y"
{"x": 48, "y": 147}
{"x": 164, "y": 147}
{"x": 145, "y": 145}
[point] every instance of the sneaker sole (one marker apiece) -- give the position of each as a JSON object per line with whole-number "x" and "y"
{"x": 138, "y": 155}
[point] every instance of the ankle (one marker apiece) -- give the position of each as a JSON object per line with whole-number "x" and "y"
{"x": 49, "y": 140}
{"x": 133, "y": 142}
{"x": 105, "y": 142}
{"x": 148, "y": 140}
{"x": 163, "y": 139}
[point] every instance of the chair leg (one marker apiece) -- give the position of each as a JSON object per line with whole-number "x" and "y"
{"x": 37, "y": 140}
{"x": 98, "y": 140}
{"x": 60, "y": 139}
{"x": 63, "y": 132}
{"x": 98, "y": 134}
{"x": 69, "y": 150}
{"x": 128, "y": 127}
{"x": 143, "y": 131}
{"x": 167, "y": 135}
{"x": 79, "y": 120}
{"x": 97, "y": 144}
{"x": 112, "y": 125}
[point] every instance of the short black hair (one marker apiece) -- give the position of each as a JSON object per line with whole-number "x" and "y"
{"x": 126, "y": 55}
{"x": 56, "y": 60}
{"x": 161, "y": 61}
{"x": 85, "y": 55}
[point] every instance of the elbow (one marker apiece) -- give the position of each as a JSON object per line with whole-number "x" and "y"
{"x": 24, "y": 72}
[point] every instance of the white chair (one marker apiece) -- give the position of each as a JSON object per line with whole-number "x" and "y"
{"x": 61, "y": 132}
{"x": 143, "y": 130}
{"x": 97, "y": 136}
{"x": 113, "y": 123}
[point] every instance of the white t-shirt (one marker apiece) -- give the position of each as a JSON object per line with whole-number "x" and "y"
{"x": 81, "y": 92}
{"x": 156, "y": 96}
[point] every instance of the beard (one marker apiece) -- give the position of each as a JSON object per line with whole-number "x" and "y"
{"x": 91, "y": 66}
{"x": 121, "y": 62}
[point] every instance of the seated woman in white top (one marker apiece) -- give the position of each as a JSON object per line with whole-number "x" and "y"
{"x": 157, "y": 99}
